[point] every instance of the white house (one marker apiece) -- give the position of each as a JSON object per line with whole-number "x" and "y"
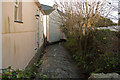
{"x": 52, "y": 23}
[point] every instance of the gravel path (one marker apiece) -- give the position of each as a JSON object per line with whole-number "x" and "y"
{"x": 57, "y": 63}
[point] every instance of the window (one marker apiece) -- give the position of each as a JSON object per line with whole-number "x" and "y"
{"x": 18, "y": 10}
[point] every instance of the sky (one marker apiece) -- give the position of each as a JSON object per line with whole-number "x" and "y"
{"x": 47, "y": 2}
{"x": 113, "y": 15}
{"x": 115, "y": 11}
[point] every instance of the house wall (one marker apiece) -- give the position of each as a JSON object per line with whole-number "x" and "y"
{"x": 0, "y": 34}
{"x": 18, "y": 39}
{"x": 41, "y": 30}
{"x": 54, "y": 27}
{"x": 48, "y": 25}
{"x": 45, "y": 24}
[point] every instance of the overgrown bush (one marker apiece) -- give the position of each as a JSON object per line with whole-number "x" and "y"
{"x": 100, "y": 55}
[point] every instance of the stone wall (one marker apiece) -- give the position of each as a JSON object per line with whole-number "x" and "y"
{"x": 102, "y": 76}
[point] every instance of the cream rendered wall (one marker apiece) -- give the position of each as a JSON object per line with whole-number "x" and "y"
{"x": 18, "y": 39}
{"x": 0, "y": 34}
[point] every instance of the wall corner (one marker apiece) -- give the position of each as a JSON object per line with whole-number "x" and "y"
{"x": 0, "y": 34}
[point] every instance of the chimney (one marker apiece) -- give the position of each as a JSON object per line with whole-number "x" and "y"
{"x": 55, "y": 6}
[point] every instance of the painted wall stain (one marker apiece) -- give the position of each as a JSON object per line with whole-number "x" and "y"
{"x": 8, "y": 44}
{"x": 15, "y": 49}
{"x": 8, "y": 24}
{"x": 5, "y": 26}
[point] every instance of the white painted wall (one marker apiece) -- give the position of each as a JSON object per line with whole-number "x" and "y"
{"x": 54, "y": 27}
{"x": 41, "y": 30}
{"x": 0, "y": 34}
{"x": 44, "y": 24}
{"x": 47, "y": 27}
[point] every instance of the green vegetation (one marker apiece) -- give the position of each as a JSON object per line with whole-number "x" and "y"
{"x": 28, "y": 73}
{"x": 104, "y": 22}
{"x": 100, "y": 54}
{"x": 94, "y": 50}
{"x": 13, "y": 74}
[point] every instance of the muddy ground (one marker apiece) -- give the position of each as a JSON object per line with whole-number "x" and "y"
{"x": 58, "y": 63}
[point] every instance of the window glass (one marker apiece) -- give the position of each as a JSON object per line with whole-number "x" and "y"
{"x": 18, "y": 10}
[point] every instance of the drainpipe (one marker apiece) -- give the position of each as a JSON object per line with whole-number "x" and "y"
{"x": 37, "y": 17}
{"x": 38, "y": 33}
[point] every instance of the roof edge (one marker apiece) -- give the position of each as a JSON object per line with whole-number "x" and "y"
{"x": 39, "y": 5}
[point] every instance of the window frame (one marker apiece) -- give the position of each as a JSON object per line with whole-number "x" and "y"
{"x": 16, "y": 13}
{"x": 16, "y": 4}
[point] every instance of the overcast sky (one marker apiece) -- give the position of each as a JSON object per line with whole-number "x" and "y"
{"x": 47, "y": 2}
{"x": 113, "y": 15}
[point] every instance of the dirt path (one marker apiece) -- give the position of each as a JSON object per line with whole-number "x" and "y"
{"x": 57, "y": 63}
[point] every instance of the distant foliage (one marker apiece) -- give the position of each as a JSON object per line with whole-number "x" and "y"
{"x": 104, "y": 22}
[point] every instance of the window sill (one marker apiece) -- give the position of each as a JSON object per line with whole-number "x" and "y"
{"x": 18, "y": 21}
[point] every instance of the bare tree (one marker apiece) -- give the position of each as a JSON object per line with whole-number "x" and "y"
{"x": 81, "y": 16}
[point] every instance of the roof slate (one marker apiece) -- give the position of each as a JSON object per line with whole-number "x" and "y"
{"x": 47, "y": 12}
{"x": 48, "y": 9}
